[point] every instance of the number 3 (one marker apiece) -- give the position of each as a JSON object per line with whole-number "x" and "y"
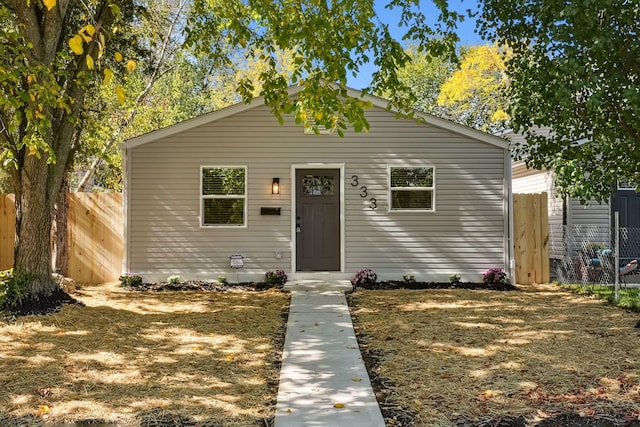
{"x": 374, "y": 203}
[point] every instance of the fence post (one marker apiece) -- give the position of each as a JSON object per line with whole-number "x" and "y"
{"x": 616, "y": 254}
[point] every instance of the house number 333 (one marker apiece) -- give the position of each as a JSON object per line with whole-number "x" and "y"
{"x": 373, "y": 203}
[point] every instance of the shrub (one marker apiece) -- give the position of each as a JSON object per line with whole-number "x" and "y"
{"x": 5, "y": 279}
{"x": 223, "y": 280}
{"x": 408, "y": 278}
{"x": 278, "y": 277}
{"x": 364, "y": 277}
{"x": 173, "y": 280}
{"x": 11, "y": 288}
{"x": 454, "y": 279}
{"x": 130, "y": 279}
{"x": 495, "y": 277}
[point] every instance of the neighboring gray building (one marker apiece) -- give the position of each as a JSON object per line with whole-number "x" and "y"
{"x": 572, "y": 224}
{"x": 429, "y": 199}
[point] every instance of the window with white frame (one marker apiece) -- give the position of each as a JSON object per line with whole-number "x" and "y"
{"x": 223, "y": 195}
{"x": 625, "y": 184}
{"x": 412, "y": 188}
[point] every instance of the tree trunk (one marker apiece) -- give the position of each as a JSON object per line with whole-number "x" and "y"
{"x": 32, "y": 256}
{"x": 60, "y": 242}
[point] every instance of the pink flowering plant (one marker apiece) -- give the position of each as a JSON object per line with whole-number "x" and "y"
{"x": 495, "y": 277}
{"x": 364, "y": 277}
{"x": 278, "y": 277}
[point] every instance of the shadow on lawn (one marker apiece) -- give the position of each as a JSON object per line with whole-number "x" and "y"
{"x": 173, "y": 358}
{"x": 539, "y": 357}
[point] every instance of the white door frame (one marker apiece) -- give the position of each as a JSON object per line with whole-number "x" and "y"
{"x": 294, "y": 206}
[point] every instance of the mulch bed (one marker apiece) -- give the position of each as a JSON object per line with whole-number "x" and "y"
{"x": 400, "y": 284}
{"x": 196, "y": 285}
{"x": 42, "y": 306}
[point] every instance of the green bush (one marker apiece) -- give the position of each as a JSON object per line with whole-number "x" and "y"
{"x": 278, "y": 277}
{"x": 11, "y": 286}
{"x": 173, "y": 280}
{"x": 130, "y": 279}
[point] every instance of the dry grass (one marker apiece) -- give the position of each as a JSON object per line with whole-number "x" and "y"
{"x": 129, "y": 357}
{"x": 538, "y": 352}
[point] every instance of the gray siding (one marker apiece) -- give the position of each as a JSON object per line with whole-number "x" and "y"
{"x": 465, "y": 235}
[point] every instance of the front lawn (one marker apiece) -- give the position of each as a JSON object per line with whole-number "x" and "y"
{"x": 470, "y": 357}
{"x": 629, "y": 297}
{"x": 145, "y": 358}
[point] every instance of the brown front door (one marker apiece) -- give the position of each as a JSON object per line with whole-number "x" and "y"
{"x": 318, "y": 219}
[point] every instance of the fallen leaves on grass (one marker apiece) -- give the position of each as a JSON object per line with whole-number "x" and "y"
{"x": 442, "y": 355}
{"x": 127, "y": 356}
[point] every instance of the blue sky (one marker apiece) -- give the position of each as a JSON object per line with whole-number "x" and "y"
{"x": 466, "y": 30}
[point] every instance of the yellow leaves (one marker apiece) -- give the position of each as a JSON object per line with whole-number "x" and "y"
{"x": 122, "y": 97}
{"x": 87, "y": 32}
{"x": 131, "y": 65}
{"x": 89, "y": 62}
{"x": 230, "y": 358}
{"x": 101, "y": 44}
{"x": 76, "y": 44}
{"x": 499, "y": 115}
{"x": 108, "y": 75}
{"x": 118, "y": 57}
{"x": 356, "y": 380}
{"x": 339, "y": 405}
{"x": 489, "y": 394}
{"x": 43, "y": 410}
{"x": 49, "y": 4}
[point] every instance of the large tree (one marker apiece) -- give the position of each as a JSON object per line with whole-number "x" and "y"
{"x": 424, "y": 75}
{"x": 52, "y": 52}
{"x": 475, "y": 93}
{"x": 575, "y": 70}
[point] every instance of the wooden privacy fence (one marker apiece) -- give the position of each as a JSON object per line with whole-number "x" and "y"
{"x": 95, "y": 235}
{"x": 531, "y": 238}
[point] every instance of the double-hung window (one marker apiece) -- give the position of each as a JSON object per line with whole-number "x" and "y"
{"x": 223, "y": 196}
{"x": 412, "y": 188}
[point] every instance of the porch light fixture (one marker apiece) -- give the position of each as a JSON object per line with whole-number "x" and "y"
{"x": 275, "y": 186}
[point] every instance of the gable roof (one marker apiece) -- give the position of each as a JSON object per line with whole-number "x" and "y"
{"x": 294, "y": 90}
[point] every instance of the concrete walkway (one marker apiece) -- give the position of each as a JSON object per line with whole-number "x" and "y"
{"x": 323, "y": 381}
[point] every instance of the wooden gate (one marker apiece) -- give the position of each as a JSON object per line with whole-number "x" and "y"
{"x": 531, "y": 238}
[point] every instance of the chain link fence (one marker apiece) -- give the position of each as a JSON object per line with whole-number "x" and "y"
{"x": 587, "y": 254}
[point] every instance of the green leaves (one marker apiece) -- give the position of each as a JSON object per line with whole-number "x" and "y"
{"x": 575, "y": 69}
{"x": 329, "y": 41}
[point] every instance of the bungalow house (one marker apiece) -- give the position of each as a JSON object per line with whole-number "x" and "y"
{"x": 234, "y": 192}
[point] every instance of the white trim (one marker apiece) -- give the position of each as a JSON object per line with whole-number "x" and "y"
{"x": 509, "y": 248}
{"x": 245, "y": 196}
{"x": 390, "y": 208}
{"x": 294, "y": 190}
{"x": 126, "y": 226}
{"x": 294, "y": 90}
{"x": 625, "y": 185}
